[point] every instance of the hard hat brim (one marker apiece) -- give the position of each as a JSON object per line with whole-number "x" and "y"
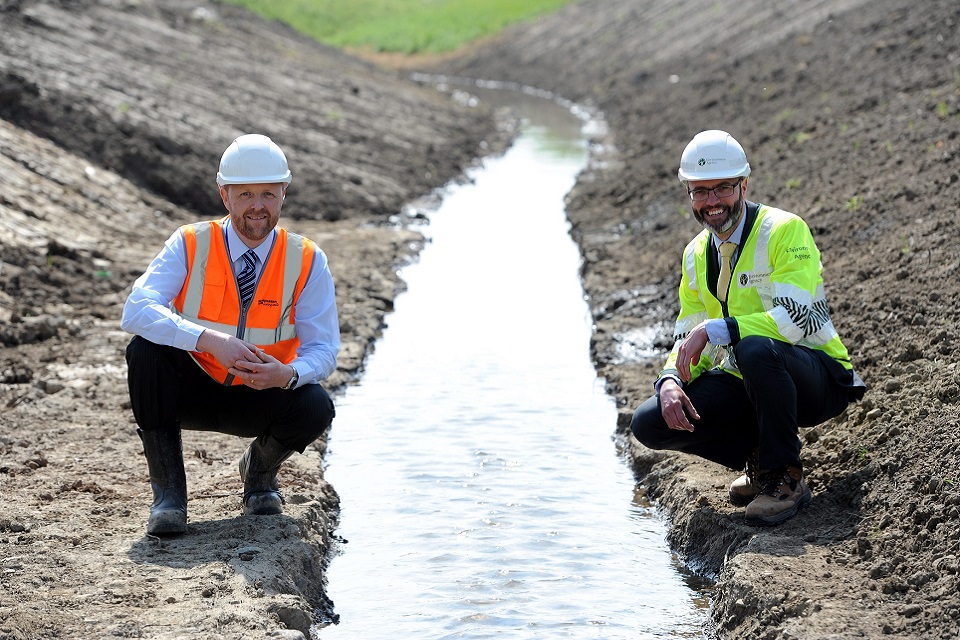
{"x": 285, "y": 178}
{"x": 718, "y": 174}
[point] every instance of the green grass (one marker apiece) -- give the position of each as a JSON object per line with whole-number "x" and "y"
{"x": 401, "y": 26}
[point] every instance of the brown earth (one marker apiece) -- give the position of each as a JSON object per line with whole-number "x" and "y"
{"x": 850, "y": 114}
{"x": 114, "y": 116}
{"x": 117, "y": 111}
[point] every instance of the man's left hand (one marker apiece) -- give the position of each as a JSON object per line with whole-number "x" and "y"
{"x": 266, "y": 374}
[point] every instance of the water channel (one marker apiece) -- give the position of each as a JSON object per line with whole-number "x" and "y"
{"x": 481, "y": 492}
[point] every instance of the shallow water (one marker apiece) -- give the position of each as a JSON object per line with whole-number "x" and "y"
{"x": 481, "y": 492}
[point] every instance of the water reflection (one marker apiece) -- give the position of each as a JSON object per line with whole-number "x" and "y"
{"x": 481, "y": 493}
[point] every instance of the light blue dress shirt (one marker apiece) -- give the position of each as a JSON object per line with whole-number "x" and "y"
{"x": 148, "y": 311}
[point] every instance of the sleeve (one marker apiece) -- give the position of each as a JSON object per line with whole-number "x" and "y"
{"x": 692, "y": 312}
{"x": 795, "y": 279}
{"x": 318, "y": 325}
{"x": 717, "y": 332}
{"x": 147, "y": 311}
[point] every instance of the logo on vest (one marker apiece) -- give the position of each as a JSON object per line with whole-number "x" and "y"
{"x": 754, "y": 278}
{"x": 268, "y": 303}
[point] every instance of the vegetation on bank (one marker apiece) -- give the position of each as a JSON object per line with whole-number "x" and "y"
{"x": 401, "y": 26}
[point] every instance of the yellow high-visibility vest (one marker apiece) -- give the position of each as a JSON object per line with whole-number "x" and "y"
{"x": 776, "y": 290}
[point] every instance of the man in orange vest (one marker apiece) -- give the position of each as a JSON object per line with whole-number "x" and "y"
{"x": 235, "y": 325}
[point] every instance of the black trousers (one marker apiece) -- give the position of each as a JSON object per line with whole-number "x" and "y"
{"x": 784, "y": 387}
{"x": 168, "y": 390}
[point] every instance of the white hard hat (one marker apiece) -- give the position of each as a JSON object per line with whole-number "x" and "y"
{"x": 253, "y": 159}
{"x": 712, "y": 155}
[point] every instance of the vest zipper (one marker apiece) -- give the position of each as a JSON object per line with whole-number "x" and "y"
{"x": 241, "y": 322}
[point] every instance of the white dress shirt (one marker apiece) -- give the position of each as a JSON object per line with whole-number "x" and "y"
{"x": 148, "y": 311}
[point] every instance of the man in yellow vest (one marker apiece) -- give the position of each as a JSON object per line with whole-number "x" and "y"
{"x": 756, "y": 354}
{"x": 235, "y": 324}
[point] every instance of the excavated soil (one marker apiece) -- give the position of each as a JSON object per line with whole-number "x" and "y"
{"x": 850, "y": 114}
{"x": 113, "y": 115}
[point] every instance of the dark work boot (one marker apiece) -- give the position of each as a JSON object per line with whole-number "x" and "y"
{"x": 164, "y": 452}
{"x": 747, "y": 487}
{"x": 258, "y": 468}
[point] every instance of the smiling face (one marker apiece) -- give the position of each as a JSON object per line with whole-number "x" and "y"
{"x": 254, "y": 209}
{"x": 718, "y": 214}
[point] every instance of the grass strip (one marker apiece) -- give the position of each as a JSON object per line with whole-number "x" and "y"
{"x": 401, "y": 26}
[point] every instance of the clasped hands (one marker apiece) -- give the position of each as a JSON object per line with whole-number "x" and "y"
{"x": 251, "y": 364}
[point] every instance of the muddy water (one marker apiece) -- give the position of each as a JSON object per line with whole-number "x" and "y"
{"x": 481, "y": 492}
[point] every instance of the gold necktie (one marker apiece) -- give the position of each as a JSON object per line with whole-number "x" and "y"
{"x": 726, "y": 266}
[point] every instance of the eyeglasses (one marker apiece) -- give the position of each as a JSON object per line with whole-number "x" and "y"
{"x": 721, "y": 191}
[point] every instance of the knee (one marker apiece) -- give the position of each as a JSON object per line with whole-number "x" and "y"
{"x": 140, "y": 349}
{"x": 316, "y": 418}
{"x": 143, "y": 355}
{"x": 325, "y": 409}
{"x": 647, "y": 424}
{"x": 753, "y": 350}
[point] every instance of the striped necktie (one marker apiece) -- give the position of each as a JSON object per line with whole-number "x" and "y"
{"x": 727, "y": 250}
{"x": 247, "y": 280}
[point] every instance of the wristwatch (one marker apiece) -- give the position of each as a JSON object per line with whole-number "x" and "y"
{"x": 294, "y": 379}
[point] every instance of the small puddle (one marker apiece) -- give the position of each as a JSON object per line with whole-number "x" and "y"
{"x": 481, "y": 492}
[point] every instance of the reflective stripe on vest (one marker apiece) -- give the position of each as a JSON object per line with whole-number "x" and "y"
{"x": 211, "y": 299}
{"x": 801, "y": 317}
{"x": 796, "y": 314}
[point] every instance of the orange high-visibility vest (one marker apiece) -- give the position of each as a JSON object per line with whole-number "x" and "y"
{"x": 210, "y": 296}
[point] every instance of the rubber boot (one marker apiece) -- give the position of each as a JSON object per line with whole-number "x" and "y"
{"x": 164, "y": 452}
{"x": 258, "y": 468}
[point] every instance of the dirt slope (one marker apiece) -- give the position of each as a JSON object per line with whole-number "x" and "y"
{"x": 113, "y": 116}
{"x": 850, "y": 113}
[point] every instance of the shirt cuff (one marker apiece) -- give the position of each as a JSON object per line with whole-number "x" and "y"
{"x": 717, "y": 332}
{"x": 186, "y": 336}
{"x": 302, "y": 376}
{"x": 656, "y": 385}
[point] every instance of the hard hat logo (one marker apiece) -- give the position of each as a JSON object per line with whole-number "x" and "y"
{"x": 713, "y": 155}
{"x": 253, "y": 159}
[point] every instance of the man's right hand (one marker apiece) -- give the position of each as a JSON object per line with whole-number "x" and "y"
{"x": 227, "y": 349}
{"x": 676, "y": 407}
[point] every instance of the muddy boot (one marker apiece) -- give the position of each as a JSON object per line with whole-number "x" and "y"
{"x": 164, "y": 452}
{"x": 258, "y": 468}
{"x": 782, "y": 494}
{"x": 745, "y": 488}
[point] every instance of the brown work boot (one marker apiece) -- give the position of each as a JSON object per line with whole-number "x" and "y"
{"x": 745, "y": 488}
{"x": 782, "y": 494}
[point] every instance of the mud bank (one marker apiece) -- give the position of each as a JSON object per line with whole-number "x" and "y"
{"x": 113, "y": 116}
{"x": 850, "y": 113}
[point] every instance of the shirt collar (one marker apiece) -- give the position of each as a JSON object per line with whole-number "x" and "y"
{"x": 237, "y": 248}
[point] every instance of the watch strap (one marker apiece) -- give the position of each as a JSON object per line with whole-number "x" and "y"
{"x": 294, "y": 379}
